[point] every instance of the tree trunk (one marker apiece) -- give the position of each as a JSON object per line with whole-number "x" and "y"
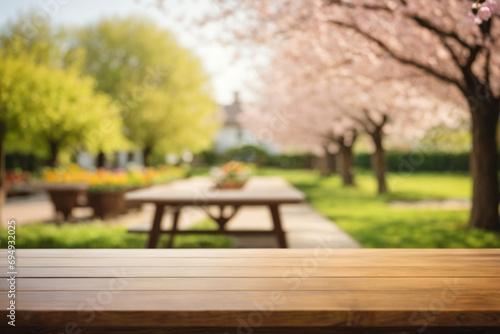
{"x": 146, "y": 152}
{"x": 331, "y": 162}
{"x": 379, "y": 162}
{"x": 54, "y": 152}
{"x": 347, "y": 164}
{"x": 484, "y": 166}
{"x": 3, "y": 130}
{"x": 328, "y": 163}
{"x": 101, "y": 160}
{"x": 347, "y": 160}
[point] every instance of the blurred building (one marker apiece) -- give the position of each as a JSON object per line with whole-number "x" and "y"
{"x": 234, "y": 134}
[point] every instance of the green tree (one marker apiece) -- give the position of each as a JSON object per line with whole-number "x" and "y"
{"x": 51, "y": 110}
{"x": 28, "y": 36}
{"x": 62, "y": 93}
{"x": 161, "y": 87}
{"x": 69, "y": 115}
{"x": 15, "y": 87}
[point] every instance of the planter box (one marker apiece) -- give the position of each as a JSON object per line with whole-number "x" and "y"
{"x": 63, "y": 195}
{"x": 107, "y": 204}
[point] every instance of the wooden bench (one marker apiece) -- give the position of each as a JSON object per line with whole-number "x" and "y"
{"x": 255, "y": 291}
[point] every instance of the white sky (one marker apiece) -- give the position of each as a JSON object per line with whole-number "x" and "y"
{"x": 227, "y": 74}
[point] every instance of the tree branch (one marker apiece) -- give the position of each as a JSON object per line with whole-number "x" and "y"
{"x": 441, "y": 33}
{"x": 419, "y": 20}
{"x": 386, "y": 48}
{"x": 452, "y": 53}
{"x": 487, "y": 73}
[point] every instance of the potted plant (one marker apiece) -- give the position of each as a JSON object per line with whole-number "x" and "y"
{"x": 104, "y": 189}
{"x": 232, "y": 175}
{"x": 106, "y": 193}
{"x": 64, "y": 186}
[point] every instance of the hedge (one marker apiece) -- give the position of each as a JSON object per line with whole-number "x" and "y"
{"x": 291, "y": 161}
{"x": 419, "y": 161}
{"x": 396, "y": 161}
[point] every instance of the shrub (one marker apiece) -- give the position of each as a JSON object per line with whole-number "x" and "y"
{"x": 419, "y": 161}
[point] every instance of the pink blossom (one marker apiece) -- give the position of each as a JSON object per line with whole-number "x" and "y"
{"x": 472, "y": 18}
{"x": 492, "y": 5}
{"x": 484, "y": 13}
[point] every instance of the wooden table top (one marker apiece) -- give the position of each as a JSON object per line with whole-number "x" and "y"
{"x": 288, "y": 287}
{"x": 200, "y": 192}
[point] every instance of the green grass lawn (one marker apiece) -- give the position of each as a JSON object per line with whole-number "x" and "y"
{"x": 99, "y": 235}
{"x": 358, "y": 210}
{"x": 370, "y": 220}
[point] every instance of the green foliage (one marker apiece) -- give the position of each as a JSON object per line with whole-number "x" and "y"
{"x": 26, "y": 162}
{"x": 419, "y": 161}
{"x": 248, "y": 153}
{"x": 207, "y": 158}
{"x": 256, "y": 154}
{"x": 445, "y": 139}
{"x": 291, "y": 161}
{"x": 374, "y": 223}
{"x": 50, "y": 108}
{"x": 94, "y": 235}
{"x": 161, "y": 87}
{"x": 28, "y": 36}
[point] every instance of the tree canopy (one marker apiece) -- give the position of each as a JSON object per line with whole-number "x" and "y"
{"x": 51, "y": 110}
{"x": 162, "y": 89}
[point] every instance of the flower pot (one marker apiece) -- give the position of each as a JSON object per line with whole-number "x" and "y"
{"x": 63, "y": 196}
{"x": 107, "y": 204}
{"x": 64, "y": 200}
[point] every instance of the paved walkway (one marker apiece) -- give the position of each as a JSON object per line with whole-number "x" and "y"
{"x": 304, "y": 226}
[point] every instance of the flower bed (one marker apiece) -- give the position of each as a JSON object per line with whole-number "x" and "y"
{"x": 106, "y": 188}
{"x": 15, "y": 182}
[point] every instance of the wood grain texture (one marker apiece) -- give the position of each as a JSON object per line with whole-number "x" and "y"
{"x": 450, "y": 254}
{"x": 217, "y": 197}
{"x": 273, "y": 290}
{"x": 255, "y": 284}
{"x": 252, "y": 262}
{"x": 258, "y": 330}
{"x": 256, "y": 271}
{"x": 116, "y": 299}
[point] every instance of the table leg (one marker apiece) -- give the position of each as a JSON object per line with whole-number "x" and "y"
{"x": 175, "y": 222}
{"x": 278, "y": 230}
{"x": 154, "y": 234}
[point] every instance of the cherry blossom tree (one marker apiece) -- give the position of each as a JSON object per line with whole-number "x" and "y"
{"x": 293, "y": 109}
{"x": 445, "y": 46}
{"x": 436, "y": 38}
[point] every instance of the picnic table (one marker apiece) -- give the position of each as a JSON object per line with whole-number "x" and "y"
{"x": 254, "y": 291}
{"x": 269, "y": 192}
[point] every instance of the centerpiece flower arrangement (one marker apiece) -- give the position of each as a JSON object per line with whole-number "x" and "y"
{"x": 232, "y": 175}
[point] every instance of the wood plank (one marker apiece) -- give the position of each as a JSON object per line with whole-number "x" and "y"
{"x": 368, "y": 271}
{"x": 119, "y": 300}
{"x": 255, "y": 284}
{"x": 362, "y": 308}
{"x": 346, "y": 288}
{"x": 245, "y": 253}
{"x": 217, "y": 197}
{"x": 252, "y": 262}
{"x": 259, "y": 330}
